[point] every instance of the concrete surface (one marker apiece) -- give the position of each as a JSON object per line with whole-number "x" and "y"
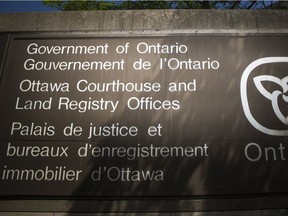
{"x": 148, "y": 20}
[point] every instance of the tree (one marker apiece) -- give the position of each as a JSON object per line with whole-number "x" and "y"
{"x": 81, "y": 5}
{"x": 106, "y": 5}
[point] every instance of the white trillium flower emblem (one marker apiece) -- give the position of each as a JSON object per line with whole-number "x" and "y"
{"x": 274, "y": 96}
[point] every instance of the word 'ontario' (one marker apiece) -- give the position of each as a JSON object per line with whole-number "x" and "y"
{"x": 188, "y": 64}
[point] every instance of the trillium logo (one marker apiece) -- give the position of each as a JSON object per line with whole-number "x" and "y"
{"x": 273, "y": 96}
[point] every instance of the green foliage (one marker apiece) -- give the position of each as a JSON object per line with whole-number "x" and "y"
{"x": 80, "y": 5}
{"x": 142, "y": 5}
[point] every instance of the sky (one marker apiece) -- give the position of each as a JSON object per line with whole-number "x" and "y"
{"x": 13, "y": 6}
{"x": 22, "y": 6}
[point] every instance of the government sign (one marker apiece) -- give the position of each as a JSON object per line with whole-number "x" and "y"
{"x": 144, "y": 116}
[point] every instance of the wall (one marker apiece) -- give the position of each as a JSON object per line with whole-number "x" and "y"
{"x": 155, "y": 22}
